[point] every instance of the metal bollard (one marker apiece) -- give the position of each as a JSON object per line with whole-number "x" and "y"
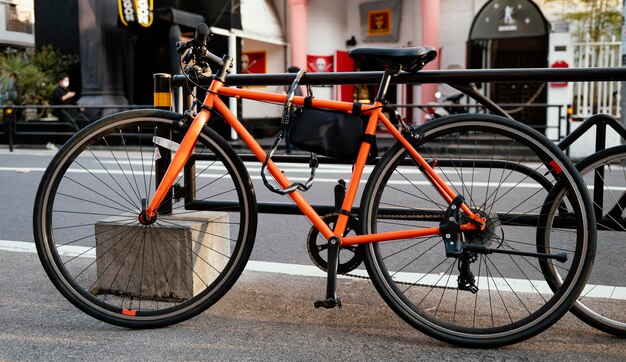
{"x": 9, "y": 121}
{"x": 163, "y": 100}
{"x": 163, "y": 91}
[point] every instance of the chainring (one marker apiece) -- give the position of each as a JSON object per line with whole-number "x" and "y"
{"x": 350, "y": 257}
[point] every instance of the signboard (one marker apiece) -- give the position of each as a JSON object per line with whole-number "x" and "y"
{"x": 253, "y": 62}
{"x": 380, "y": 20}
{"x": 500, "y": 19}
{"x": 319, "y": 63}
{"x": 559, "y": 64}
{"x": 136, "y": 13}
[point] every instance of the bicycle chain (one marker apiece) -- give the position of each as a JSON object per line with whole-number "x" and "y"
{"x": 417, "y": 217}
{"x": 398, "y": 282}
{"x": 427, "y": 216}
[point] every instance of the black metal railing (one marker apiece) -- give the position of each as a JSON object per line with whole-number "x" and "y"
{"x": 462, "y": 80}
{"x": 66, "y": 128}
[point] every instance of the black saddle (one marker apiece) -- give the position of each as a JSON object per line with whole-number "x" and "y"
{"x": 409, "y": 59}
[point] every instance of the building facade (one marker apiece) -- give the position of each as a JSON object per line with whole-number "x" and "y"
{"x": 268, "y": 36}
{"x": 17, "y": 21}
{"x": 477, "y": 34}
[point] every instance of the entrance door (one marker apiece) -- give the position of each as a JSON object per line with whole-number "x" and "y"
{"x": 512, "y": 34}
{"x": 521, "y": 53}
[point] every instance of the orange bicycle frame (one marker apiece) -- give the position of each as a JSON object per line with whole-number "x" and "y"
{"x": 213, "y": 102}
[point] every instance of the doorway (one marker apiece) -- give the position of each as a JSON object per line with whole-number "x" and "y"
{"x": 512, "y": 34}
{"x": 522, "y": 100}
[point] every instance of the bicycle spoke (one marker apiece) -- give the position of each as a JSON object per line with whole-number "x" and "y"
{"x": 135, "y": 272}
{"x": 501, "y": 173}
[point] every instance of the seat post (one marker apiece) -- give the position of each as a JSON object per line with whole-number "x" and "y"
{"x": 390, "y": 72}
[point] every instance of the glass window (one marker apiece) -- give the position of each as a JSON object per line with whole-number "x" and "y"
{"x": 19, "y": 18}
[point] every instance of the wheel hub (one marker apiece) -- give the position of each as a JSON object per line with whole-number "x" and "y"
{"x": 491, "y": 235}
{"x": 146, "y": 220}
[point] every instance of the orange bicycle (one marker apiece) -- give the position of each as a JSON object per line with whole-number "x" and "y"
{"x": 146, "y": 218}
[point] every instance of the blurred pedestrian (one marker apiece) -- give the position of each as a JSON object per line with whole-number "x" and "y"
{"x": 62, "y": 95}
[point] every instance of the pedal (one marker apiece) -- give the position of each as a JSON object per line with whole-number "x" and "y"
{"x": 328, "y": 303}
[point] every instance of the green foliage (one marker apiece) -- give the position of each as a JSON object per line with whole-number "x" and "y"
{"x": 29, "y": 77}
{"x": 597, "y": 18}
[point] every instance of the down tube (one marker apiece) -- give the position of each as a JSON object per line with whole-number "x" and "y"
{"x": 282, "y": 180}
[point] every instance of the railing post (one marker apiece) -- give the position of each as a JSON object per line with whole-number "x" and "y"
{"x": 163, "y": 100}
{"x": 598, "y": 177}
{"x": 560, "y": 122}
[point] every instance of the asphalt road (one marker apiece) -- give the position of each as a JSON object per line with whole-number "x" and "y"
{"x": 265, "y": 316}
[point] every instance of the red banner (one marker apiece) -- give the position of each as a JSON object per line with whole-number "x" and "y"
{"x": 253, "y": 62}
{"x": 319, "y": 63}
{"x": 344, "y": 64}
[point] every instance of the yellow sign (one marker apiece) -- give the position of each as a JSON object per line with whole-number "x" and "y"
{"x": 379, "y": 22}
{"x": 136, "y": 12}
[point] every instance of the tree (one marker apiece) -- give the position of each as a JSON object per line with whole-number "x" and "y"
{"x": 29, "y": 77}
{"x": 600, "y": 19}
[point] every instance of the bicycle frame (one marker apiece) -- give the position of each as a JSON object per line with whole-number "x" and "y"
{"x": 212, "y": 102}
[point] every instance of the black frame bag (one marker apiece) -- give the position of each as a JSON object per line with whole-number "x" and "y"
{"x": 328, "y": 133}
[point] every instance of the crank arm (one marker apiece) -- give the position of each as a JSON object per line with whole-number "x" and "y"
{"x": 481, "y": 249}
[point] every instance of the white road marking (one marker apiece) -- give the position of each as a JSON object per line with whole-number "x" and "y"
{"x": 499, "y": 284}
{"x": 423, "y": 182}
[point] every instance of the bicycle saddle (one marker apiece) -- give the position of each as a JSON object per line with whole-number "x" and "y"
{"x": 410, "y": 59}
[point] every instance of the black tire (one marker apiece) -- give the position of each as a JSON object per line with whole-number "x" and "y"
{"x": 119, "y": 270}
{"x": 505, "y": 171}
{"x": 602, "y": 304}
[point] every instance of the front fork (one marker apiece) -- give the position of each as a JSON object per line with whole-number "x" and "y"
{"x": 182, "y": 155}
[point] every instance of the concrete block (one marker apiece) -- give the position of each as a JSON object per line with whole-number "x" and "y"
{"x": 173, "y": 259}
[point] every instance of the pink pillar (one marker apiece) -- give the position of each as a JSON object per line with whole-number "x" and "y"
{"x": 430, "y": 37}
{"x": 297, "y": 32}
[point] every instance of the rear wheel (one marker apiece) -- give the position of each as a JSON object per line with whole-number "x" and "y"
{"x": 119, "y": 267}
{"x": 504, "y": 171}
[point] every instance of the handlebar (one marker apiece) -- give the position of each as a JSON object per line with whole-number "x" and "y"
{"x": 202, "y": 35}
{"x": 201, "y": 39}
{"x": 198, "y": 51}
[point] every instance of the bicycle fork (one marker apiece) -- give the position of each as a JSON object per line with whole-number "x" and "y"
{"x": 149, "y": 214}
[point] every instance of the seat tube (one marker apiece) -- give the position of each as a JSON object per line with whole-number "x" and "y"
{"x": 357, "y": 171}
{"x": 385, "y": 82}
{"x": 359, "y": 165}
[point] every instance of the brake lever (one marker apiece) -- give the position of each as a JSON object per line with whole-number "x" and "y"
{"x": 198, "y": 69}
{"x": 187, "y": 58}
{"x": 181, "y": 47}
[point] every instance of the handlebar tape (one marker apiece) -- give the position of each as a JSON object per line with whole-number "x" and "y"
{"x": 202, "y": 35}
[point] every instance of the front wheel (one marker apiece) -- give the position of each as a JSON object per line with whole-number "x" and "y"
{"x": 602, "y": 304}
{"x": 116, "y": 265}
{"x": 504, "y": 171}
